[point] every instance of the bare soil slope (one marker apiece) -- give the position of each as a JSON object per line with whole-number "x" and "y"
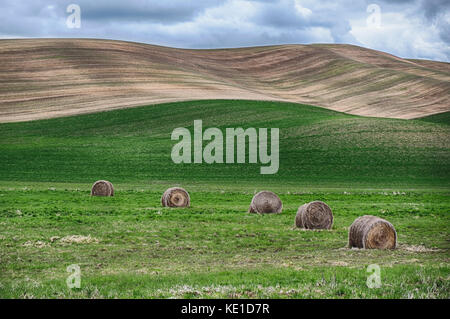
{"x": 43, "y": 78}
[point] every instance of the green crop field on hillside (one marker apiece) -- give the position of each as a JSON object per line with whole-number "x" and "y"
{"x": 129, "y": 246}
{"x": 318, "y": 147}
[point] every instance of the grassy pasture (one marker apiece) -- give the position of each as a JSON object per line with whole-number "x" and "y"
{"x": 128, "y": 246}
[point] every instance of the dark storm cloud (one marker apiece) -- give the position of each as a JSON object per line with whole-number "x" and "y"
{"x": 433, "y": 8}
{"x": 435, "y": 12}
{"x": 438, "y": 13}
{"x": 409, "y": 28}
{"x": 164, "y": 12}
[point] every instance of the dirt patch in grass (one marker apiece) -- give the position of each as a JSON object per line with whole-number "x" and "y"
{"x": 36, "y": 244}
{"x": 418, "y": 248}
{"x": 79, "y": 239}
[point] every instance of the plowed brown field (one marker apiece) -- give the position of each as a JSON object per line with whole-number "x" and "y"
{"x": 43, "y": 78}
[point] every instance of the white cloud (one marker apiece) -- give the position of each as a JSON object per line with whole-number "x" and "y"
{"x": 411, "y": 29}
{"x": 305, "y": 12}
{"x": 402, "y": 35}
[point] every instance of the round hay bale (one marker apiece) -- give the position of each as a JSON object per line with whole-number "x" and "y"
{"x": 112, "y": 188}
{"x": 372, "y": 232}
{"x": 102, "y": 188}
{"x": 175, "y": 197}
{"x": 266, "y": 202}
{"x": 314, "y": 215}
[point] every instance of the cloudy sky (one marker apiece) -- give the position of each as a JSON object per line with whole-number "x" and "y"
{"x": 406, "y": 28}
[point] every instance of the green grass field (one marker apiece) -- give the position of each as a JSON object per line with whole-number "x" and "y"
{"x": 129, "y": 246}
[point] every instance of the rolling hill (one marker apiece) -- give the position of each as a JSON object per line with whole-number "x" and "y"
{"x": 318, "y": 147}
{"x": 45, "y": 78}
